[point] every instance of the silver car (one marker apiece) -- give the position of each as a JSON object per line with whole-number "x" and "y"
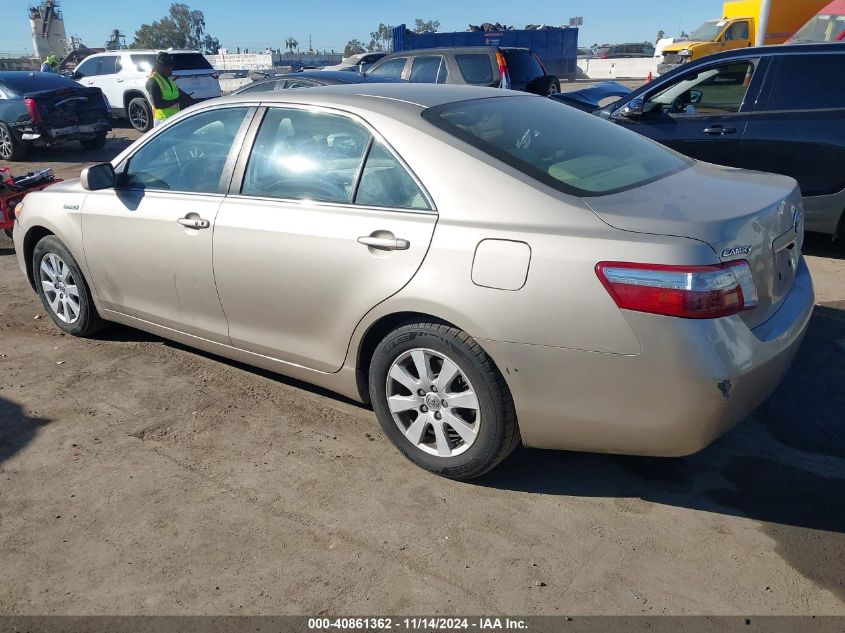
{"x": 486, "y": 268}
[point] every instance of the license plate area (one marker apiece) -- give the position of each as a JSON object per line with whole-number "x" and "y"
{"x": 787, "y": 252}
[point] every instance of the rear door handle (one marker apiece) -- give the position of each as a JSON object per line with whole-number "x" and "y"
{"x": 719, "y": 130}
{"x": 385, "y": 243}
{"x": 120, "y": 81}
{"x": 194, "y": 223}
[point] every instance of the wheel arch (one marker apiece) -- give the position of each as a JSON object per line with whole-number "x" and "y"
{"x": 132, "y": 94}
{"x": 34, "y": 235}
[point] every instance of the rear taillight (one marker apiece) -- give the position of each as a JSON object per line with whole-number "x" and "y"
{"x": 504, "y": 73}
{"x": 542, "y": 65}
{"x": 32, "y": 109}
{"x": 689, "y": 292}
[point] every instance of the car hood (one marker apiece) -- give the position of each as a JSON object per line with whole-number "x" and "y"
{"x": 683, "y": 46}
{"x": 742, "y": 215}
{"x": 589, "y": 99}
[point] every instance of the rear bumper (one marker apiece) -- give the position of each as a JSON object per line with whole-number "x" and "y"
{"x": 52, "y": 135}
{"x": 692, "y": 381}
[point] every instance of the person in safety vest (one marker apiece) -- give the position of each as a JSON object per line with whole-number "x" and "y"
{"x": 50, "y": 65}
{"x": 165, "y": 94}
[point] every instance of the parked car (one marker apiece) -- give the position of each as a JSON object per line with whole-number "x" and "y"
{"x": 122, "y": 76}
{"x": 771, "y": 109}
{"x": 43, "y": 109}
{"x": 358, "y": 62}
{"x": 625, "y": 51}
{"x": 586, "y": 53}
{"x": 311, "y": 79}
{"x": 595, "y": 292}
{"x": 594, "y": 96}
{"x": 495, "y": 67}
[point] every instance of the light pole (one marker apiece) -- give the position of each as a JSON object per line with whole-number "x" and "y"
{"x": 763, "y": 26}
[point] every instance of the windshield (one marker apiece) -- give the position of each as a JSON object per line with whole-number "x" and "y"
{"x": 822, "y": 28}
{"x": 571, "y": 151}
{"x": 707, "y": 32}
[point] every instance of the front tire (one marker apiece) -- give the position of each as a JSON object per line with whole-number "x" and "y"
{"x": 63, "y": 289}
{"x": 442, "y": 401}
{"x": 140, "y": 114}
{"x": 10, "y": 147}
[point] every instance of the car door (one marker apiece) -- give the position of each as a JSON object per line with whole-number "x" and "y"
{"x": 86, "y": 72}
{"x": 109, "y": 80}
{"x": 702, "y": 113}
{"x": 800, "y": 129}
{"x": 324, "y": 223}
{"x": 148, "y": 241}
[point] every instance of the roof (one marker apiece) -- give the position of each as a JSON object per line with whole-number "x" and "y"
{"x": 369, "y": 96}
{"x": 781, "y": 49}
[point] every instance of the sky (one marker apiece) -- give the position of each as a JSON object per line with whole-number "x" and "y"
{"x": 257, "y": 24}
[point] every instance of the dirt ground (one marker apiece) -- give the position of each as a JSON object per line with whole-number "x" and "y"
{"x": 141, "y": 477}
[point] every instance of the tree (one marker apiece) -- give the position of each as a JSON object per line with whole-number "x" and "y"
{"x": 353, "y": 47}
{"x": 660, "y": 35}
{"x": 210, "y": 45}
{"x": 381, "y": 39}
{"x": 292, "y": 44}
{"x": 182, "y": 28}
{"x": 421, "y": 26}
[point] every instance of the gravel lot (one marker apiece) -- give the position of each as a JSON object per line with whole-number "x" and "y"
{"x": 140, "y": 477}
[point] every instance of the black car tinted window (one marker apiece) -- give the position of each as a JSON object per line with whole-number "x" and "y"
{"x": 476, "y": 69}
{"x": 522, "y": 65}
{"x": 805, "y": 82}
{"x": 571, "y": 151}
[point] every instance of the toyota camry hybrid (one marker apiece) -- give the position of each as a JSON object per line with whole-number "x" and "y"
{"x": 485, "y": 268}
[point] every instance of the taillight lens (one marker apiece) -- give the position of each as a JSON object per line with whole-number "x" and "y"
{"x": 689, "y": 292}
{"x": 32, "y": 109}
{"x": 504, "y": 73}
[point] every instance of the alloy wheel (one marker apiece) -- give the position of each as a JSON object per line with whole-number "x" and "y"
{"x": 433, "y": 403}
{"x": 60, "y": 288}
{"x": 138, "y": 116}
{"x": 6, "y": 148}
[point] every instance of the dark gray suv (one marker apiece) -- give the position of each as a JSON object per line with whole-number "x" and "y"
{"x": 492, "y": 66}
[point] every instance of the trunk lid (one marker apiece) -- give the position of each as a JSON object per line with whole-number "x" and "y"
{"x": 742, "y": 215}
{"x": 65, "y": 107}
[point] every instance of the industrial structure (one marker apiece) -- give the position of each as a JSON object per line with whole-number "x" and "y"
{"x": 48, "y": 30}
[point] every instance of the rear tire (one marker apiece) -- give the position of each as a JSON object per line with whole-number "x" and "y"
{"x": 140, "y": 114}
{"x": 63, "y": 290}
{"x": 442, "y": 401}
{"x": 11, "y": 148}
{"x": 98, "y": 142}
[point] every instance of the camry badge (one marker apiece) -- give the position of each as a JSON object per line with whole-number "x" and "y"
{"x": 736, "y": 250}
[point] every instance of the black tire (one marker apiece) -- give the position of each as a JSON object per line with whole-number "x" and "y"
{"x": 11, "y": 147}
{"x": 497, "y": 432}
{"x": 98, "y": 142}
{"x": 140, "y": 114}
{"x": 87, "y": 322}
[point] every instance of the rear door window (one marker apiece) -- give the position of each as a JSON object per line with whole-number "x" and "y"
{"x": 144, "y": 62}
{"x": 303, "y": 155}
{"x": 522, "y": 65}
{"x": 476, "y": 69}
{"x": 428, "y": 70}
{"x": 803, "y": 82}
{"x": 392, "y": 68}
{"x": 386, "y": 183}
{"x": 108, "y": 65}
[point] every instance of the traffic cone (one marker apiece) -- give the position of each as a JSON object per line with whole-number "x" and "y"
{"x": 650, "y": 78}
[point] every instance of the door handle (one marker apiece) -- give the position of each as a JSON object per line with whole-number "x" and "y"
{"x": 120, "y": 81}
{"x": 385, "y": 243}
{"x": 194, "y": 223}
{"x": 719, "y": 130}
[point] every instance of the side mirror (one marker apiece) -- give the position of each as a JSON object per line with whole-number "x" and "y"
{"x": 695, "y": 96}
{"x": 634, "y": 109}
{"x": 97, "y": 177}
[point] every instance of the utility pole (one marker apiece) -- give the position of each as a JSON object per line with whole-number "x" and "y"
{"x": 763, "y": 26}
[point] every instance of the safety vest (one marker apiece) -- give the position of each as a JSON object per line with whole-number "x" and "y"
{"x": 169, "y": 92}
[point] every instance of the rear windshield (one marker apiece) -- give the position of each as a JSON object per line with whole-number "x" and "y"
{"x": 572, "y": 151}
{"x": 21, "y": 83}
{"x": 522, "y": 65}
{"x": 181, "y": 61}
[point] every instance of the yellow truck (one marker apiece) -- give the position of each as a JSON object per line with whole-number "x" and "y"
{"x": 738, "y": 29}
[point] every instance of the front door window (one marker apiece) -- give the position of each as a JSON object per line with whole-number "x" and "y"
{"x": 715, "y": 91}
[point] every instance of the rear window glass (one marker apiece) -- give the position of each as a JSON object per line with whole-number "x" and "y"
{"x": 181, "y": 61}
{"x": 522, "y": 65}
{"x": 23, "y": 82}
{"x": 803, "y": 82}
{"x": 572, "y": 151}
{"x": 476, "y": 69}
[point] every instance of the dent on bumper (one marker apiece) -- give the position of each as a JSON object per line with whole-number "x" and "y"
{"x": 692, "y": 382}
